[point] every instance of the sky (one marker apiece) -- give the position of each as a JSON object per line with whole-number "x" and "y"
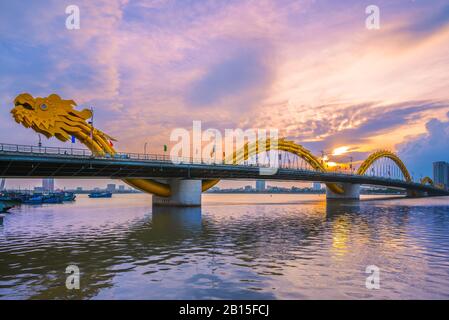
{"x": 308, "y": 68}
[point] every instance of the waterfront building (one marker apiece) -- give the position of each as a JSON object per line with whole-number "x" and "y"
{"x": 316, "y": 186}
{"x": 48, "y": 184}
{"x": 441, "y": 173}
{"x": 260, "y": 185}
{"x": 110, "y": 187}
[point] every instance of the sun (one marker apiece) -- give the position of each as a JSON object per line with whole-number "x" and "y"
{"x": 340, "y": 150}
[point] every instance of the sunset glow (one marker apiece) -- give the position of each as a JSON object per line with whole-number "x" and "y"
{"x": 340, "y": 150}
{"x": 318, "y": 75}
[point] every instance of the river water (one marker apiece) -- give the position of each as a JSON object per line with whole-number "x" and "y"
{"x": 234, "y": 247}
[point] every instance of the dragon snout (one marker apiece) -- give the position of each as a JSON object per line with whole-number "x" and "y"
{"x": 24, "y": 100}
{"x": 25, "y": 105}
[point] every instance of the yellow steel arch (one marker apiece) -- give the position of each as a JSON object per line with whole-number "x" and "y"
{"x": 427, "y": 180}
{"x": 252, "y": 149}
{"x": 384, "y": 154}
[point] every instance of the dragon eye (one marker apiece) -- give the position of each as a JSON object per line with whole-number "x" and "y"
{"x": 44, "y": 107}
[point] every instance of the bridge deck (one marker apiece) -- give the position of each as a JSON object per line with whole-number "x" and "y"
{"x": 38, "y": 163}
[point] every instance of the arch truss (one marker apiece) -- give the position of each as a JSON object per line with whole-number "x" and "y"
{"x": 386, "y": 164}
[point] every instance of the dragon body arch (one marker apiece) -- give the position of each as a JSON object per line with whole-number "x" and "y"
{"x": 427, "y": 180}
{"x": 384, "y": 154}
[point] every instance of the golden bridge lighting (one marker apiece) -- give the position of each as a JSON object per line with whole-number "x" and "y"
{"x": 331, "y": 164}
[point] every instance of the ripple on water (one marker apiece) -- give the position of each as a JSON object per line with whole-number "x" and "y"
{"x": 295, "y": 248}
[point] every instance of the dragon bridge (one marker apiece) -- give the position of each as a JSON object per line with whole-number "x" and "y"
{"x": 55, "y": 117}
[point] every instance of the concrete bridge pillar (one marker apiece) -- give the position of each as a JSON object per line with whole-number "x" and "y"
{"x": 416, "y": 194}
{"x": 351, "y": 192}
{"x": 185, "y": 193}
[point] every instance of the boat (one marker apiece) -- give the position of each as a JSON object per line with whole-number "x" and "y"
{"x": 69, "y": 196}
{"x": 34, "y": 199}
{"x": 100, "y": 194}
{"x": 5, "y": 206}
{"x": 53, "y": 198}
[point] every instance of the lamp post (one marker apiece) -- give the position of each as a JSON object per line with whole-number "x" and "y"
{"x": 350, "y": 164}
{"x": 39, "y": 144}
{"x": 92, "y": 123}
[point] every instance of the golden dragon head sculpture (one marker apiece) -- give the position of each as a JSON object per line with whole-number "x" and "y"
{"x": 55, "y": 117}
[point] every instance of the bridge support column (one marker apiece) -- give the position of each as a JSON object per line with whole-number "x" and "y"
{"x": 416, "y": 194}
{"x": 351, "y": 192}
{"x": 185, "y": 193}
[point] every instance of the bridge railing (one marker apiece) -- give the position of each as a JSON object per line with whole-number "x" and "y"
{"x": 5, "y": 147}
{"x": 85, "y": 153}
{"x": 77, "y": 152}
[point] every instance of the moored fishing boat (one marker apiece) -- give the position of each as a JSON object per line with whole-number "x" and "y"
{"x": 100, "y": 194}
{"x": 4, "y": 206}
{"x": 53, "y": 198}
{"x": 34, "y": 199}
{"x": 69, "y": 196}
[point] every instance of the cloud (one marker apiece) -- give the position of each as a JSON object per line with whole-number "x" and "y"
{"x": 242, "y": 74}
{"x": 420, "y": 151}
{"x": 307, "y": 67}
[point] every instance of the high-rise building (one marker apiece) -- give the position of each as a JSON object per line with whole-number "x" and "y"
{"x": 48, "y": 184}
{"x": 110, "y": 187}
{"x": 121, "y": 188}
{"x": 316, "y": 186}
{"x": 441, "y": 173}
{"x": 260, "y": 185}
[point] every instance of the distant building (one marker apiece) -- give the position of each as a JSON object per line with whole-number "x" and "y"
{"x": 248, "y": 188}
{"x": 38, "y": 189}
{"x": 79, "y": 188}
{"x": 110, "y": 187}
{"x": 121, "y": 188}
{"x": 48, "y": 185}
{"x": 441, "y": 173}
{"x": 316, "y": 186}
{"x": 260, "y": 185}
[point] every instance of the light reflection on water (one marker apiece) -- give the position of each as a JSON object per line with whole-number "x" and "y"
{"x": 235, "y": 247}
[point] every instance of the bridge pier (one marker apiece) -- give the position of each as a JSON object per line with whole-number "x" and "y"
{"x": 416, "y": 194}
{"x": 184, "y": 193}
{"x": 351, "y": 192}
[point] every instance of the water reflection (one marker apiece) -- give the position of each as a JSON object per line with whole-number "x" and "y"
{"x": 306, "y": 249}
{"x": 176, "y": 219}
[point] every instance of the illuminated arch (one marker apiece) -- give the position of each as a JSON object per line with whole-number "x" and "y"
{"x": 427, "y": 180}
{"x": 252, "y": 149}
{"x": 384, "y": 154}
